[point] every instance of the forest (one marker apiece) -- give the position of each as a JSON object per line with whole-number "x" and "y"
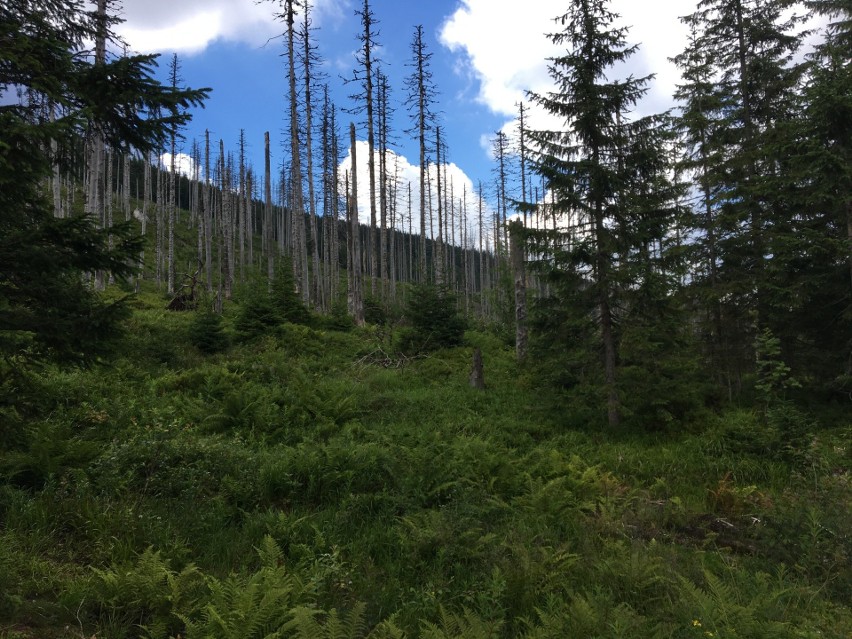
{"x": 607, "y": 394}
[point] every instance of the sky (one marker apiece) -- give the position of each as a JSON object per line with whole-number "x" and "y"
{"x": 486, "y": 55}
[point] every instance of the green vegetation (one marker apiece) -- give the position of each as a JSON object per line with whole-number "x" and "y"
{"x": 292, "y": 485}
{"x": 671, "y": 460}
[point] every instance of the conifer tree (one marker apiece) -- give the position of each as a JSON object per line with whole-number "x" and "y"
{"x": 421, "y": 96}
{"x": 365, "y": 76}
{"x": 700, "y": 127}
{"x": 817, "y": 265}
{"x": 47, "y": 312}
{"x": 742, "y": 75}
{"x": 580, "y": 162}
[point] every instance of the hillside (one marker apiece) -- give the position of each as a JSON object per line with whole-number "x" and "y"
{"x": 310, "y": 480}
{"x": 243, "y": 412}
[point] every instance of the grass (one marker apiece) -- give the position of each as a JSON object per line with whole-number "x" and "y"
{"x": 143, "y": 496}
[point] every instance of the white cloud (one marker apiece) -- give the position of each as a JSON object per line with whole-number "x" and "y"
{"x": 183, "y": 164}
{"x": 507, "y": 50}
{"x": 408, "y": 173}
{"x": 189, "y": 26}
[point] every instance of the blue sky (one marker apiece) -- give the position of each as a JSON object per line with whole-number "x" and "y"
{"x": 486, "y": 53}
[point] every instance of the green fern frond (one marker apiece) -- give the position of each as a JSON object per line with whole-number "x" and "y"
{"x": 255, "y": 607}
{"x": 468, "y": 625}
{"x": 387, "y": 630}
{"x": 310, "y": 623}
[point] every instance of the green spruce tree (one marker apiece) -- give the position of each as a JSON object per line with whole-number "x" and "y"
{"x": 740, "y": 100}
{"x": 591, "y": 165}
{"x": 47, "y": 311}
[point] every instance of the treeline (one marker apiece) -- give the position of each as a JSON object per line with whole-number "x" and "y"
{"x": 258, "y": 235}
{"x": 702, "y": 255}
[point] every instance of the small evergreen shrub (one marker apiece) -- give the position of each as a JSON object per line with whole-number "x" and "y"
{"x": 206, "y": 332}
{"x": 285, "y": 299}
{"x": 435, "y": 322}
{"x": 374, "y": 311}
{"x": 257, "y": 313}
{"x": 339, "y": 318}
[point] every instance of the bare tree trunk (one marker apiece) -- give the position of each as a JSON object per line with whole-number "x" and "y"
{"x": 477, "y": 376}
{"x": 516, "y": 230}
{"x": 411, "y": 229}
{"x": 298, "y": 205}
{"x": 393, "y": 234}
{"x": 146, "y": 202}
{"x": 355, "y": 295}
{"x": 383, "y": 204}
{"x": 438, "y": 257}
{"x": 125, "y": 185}
{"x": 56, "y": 179}
{"x": 160, "y": 222}
{"x": 318, "y": 280}
{"x": 242, "y": 210}
{"x": 482, "y": 260}
{"x": 208, "y": 214}
{"x": 371, "y": 139}
{"x": 250, "y": 216}
{"x": 267, "y": 213}
{"x": 607, "y": 334}
{"x": 225, "y": 224}
{"x": 94, "y": 200}
{"x": 108, "y": 197}
{"x": 335, "y": 191}
{"x": 170, "y": 252}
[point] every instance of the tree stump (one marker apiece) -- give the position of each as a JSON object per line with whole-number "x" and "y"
{"x": 477, "y": 378}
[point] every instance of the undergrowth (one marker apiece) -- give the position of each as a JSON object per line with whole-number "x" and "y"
{"x": 289, "y": 486}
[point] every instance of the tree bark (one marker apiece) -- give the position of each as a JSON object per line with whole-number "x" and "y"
{"x": 516, "y": 230}
{"x": 356, "y": 299}
{"x": 477, "y": 376}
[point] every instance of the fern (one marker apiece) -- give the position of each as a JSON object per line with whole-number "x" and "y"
{"x": 387, "y": 630}
{"x": 467, "y": 625}
{"x": 730, "y": 609}
{"x": 254, "y": 607}
{"x": 309, "y": 623}
{"x": 147, "y": 594}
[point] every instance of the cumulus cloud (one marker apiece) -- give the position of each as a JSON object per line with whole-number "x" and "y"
{"x": 409, "y": 174}
{"x": 189, "y": 26}
{"x": 506, "y": 49}
{"x": 183, "y": 164}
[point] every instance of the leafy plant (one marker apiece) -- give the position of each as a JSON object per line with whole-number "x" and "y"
{"x": 146, "y": 595}
{"x": 464, "y": 625}
{"x": 258, "y": 606}
{"x": 773, "y": 375}
{"x": 310, "y": 623}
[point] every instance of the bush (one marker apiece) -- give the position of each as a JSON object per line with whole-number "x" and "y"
{"x": 206, "y": 333}
{"x": 257, "y": 313}
{"x": 285, "y": 299}
{"x": 374, "y": 311}
{"x": 435, "y": 320}
{"x": 339, "y": 318}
